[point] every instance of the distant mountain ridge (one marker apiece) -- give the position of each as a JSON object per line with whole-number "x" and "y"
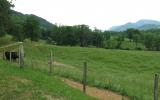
{"x": 141, "y": 25}
{"x": 19, "y": 18}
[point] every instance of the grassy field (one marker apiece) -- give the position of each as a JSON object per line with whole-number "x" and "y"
{"x": 129, "y": 73}
{"x": 29, "y": 84}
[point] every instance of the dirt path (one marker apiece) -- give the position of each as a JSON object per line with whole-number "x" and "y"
{"x": 101, "y": 94}
{"x": 63, "y": 65}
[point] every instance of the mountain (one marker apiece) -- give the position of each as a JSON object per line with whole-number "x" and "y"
{"x": 19, "y": 18}
{"x": 141, "y": 25}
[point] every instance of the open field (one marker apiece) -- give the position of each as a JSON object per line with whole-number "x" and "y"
{"x": 129, "y": 73}
{"x": 28, "y": 84}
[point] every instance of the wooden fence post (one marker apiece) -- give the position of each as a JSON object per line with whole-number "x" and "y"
{"x": 32, "y": 63}
{"x": 156, "y": 87}
{"x": 21, "y": 56}
{"x": 3, "y": 55}
{"x": 84, "y": 77}
{"x": 10, "y": 56}
{"x": 51, "y": 62}
{"x": 19, "y": 60}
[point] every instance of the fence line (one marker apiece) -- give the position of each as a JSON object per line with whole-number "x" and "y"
{"x": 51, "y": 62}
{"x": 156, "y": 86}
{"x": 84, "y": 77}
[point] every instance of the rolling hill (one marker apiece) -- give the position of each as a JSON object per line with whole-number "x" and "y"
{"x": 130, "y": 73}
{"x": 141, "y": 25}
{"x": 29, "y": 84}
{"x": 19, "y": 18}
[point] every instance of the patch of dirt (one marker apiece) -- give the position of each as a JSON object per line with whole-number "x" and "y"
{"x": 101, "y": 94}
{"x": 49, "y": 97}
{"x": 22, "y": 80}
{"x": 59, "y": 64}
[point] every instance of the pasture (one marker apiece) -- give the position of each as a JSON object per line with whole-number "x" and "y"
{"x": 130, "y": 73}
{"x": 29, "y": 84}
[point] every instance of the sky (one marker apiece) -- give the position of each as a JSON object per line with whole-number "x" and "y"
{"x": 101, "y": 14}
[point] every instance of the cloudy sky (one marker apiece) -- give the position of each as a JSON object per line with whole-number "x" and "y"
{"x": 96, "y": 13}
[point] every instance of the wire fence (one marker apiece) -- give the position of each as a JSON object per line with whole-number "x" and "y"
{"x": 47, "y": 62}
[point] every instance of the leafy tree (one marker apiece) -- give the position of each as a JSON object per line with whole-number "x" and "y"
{"x": 64, "y": 35}
{"x": 68, "y": 36}
{"x": 107, "y": 35}
{"x": 149, "y": 41}
{"x": 5, "y": 14}
{"x": 97, "y": 38}
{"x": 17, "y": 32}
{"x": 130, "y": 33}
{"x": 136, "y": 37}
{"x": 133, "y": 34}
{"x": 157, "y": 43}
{"x": 119, "y": 39}
{"x": 83, "y": 34}
{"x": 31, "y": 28}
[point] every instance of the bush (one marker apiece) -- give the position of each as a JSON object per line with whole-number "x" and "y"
{"x": 6, "y": 39}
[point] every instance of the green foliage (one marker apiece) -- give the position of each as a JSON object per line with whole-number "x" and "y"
{"x": 76, "y": 35}
{"x": 31, "y": 28}
{"x": 6, "y": 39}
{"x": 64, "y": 35}
{"x": 5, "y": 12}
{"x": 17, "y": 32}
{"x": 83, "y": 34}
{"x": 97, "y": 38}
{"x": 19, "y": 18}
{"x": 133, "y": 34}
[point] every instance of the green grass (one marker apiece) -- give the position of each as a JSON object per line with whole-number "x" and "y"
{"x": 29, "y": 84}
{"x": 130, "y": 73}
{"x": 131, "y": 45}
{"x": 6, "y": 39}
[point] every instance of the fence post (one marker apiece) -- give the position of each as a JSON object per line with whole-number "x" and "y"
{"x": 32, "y": 63}
{"x": 84, "y": 77}
{"x": 156, "y": 87}
{"x": 51, "y": 61}
{"x": 21, "y": 56}
{"x": 3, "y": 55}
{"x": 10, "y": 56}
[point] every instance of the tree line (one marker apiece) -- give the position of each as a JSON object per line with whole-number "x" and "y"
{"x": 78, "y": 35}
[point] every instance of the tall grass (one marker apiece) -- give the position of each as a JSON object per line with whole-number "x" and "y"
{"x": 129, "y": 73}
{"x": 29, "y": 84}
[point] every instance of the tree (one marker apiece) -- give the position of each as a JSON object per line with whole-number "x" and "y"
{"x": 157, "y": 43}
{"x": 31, "y": 28}
{"x": 83, "y": 34}
{"x": 133, "y": 34}
{"x": 149, "y": 41}
{"x": 107, "y": 35}
{"x": 130, "y": 33}
{"x": 119, "y": 39}
{"x": 5, "y": 14}
{"x": 97, "y": 38}
{"x": 17, "y": 32}
{"x": 136, "y": 36}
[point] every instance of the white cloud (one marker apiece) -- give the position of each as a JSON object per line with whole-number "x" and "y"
{"x": 96, "y": 13}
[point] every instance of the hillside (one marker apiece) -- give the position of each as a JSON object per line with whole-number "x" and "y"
{"x": 29, "y": 84}
{"x": 129, "y": 73}
{"x": 19, "y": 18}
{"x": 141, "y": 25}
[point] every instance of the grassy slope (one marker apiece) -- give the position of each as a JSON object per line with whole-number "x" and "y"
{"x": 127, "y": 72}
{"x": 6, "y": 39}
{"x": 28, "y": 84}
